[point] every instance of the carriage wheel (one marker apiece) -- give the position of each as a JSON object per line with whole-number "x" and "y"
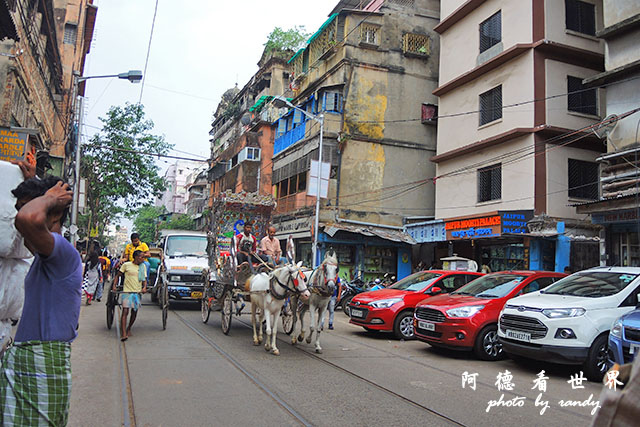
{"x": 287, "y": 318}
{"x": 165, "y": 305}
{"x": 111, "y": 308}
{"x": 227, "y": 312}
{"x": 205, "y": 304}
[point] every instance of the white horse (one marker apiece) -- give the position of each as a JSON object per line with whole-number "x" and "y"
{"x": 268, "y": 292}
{"x": 322, "y": 284}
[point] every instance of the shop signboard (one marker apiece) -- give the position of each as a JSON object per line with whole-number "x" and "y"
{"x": 427, "y": 232}
{"x": 492, "y": 224}
{"x": 12, "y": 144}
{"x": 294, "y": 227}
{"x": 627, "y": 215}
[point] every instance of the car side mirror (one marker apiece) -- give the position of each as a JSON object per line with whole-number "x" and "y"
{"x": 435, "y": 290}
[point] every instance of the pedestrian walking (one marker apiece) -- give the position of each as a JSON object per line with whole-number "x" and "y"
{"x": 134, "y": 275}
{"x": 35, "y": 377}
{"x": 92, "y": 276}
{"x": 332, "y": 303}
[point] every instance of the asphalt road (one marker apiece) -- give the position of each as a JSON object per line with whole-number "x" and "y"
{"x": 192, "y": 374}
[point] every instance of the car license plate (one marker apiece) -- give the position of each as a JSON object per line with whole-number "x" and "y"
{"x": 517, "y": 335}
{"x": 356, "y": 313}
{"x": 426, "y": 325}
{"x": 634, "y": 349}
{"x": 196, "y": 295}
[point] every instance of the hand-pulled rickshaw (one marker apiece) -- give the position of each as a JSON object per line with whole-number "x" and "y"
{"x": 224, "y": 283}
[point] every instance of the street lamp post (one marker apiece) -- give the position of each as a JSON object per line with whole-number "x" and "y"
{"x": 280, "y": 102}
{"x": 134, "y": 76}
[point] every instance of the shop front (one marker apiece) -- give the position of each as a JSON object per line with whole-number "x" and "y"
{"x": 431, "y": 238}
{"x": 370, "y": 251}
{"x": 496, "y": 240}
{"x": 300, "y": 229}
{"x": 622, "y": 230}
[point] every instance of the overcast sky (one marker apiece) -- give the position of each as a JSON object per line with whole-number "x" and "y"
{"x": 199, "y": 50}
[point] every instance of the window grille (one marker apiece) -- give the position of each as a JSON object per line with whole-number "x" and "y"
{"x": 579, "y": 100}
{"x": 323, "y": 42}
{"x": 491, "y": 105}
{"x": 369, "y": 34}
{"x": 403, "y": 2}
{"x": 491, "y": 32}
{"x": 490, "y": 183}
{"x": 580, "y": 16}
{"x": 333, "y": 102}
{"x": 583, "y": 179}
{"x": 415, "y": 43}
{"x": 70, "y": 34}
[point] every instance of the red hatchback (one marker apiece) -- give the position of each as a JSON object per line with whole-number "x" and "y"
{"x": 467, "y": 319}
{"x": 391, "y": 309}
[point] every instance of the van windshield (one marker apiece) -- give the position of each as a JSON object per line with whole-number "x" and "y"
{"x": 591, "y": 284}
{"x": 187, "y": 246}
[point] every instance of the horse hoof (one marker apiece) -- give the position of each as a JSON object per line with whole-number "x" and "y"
{"x": 276, "y": 352}
{"x": 294, "y": 341}
{"x": 256, "y": 342}
{"x": 300, "y": 338}
{"x": 319, "y": 350}
{"x": 267, "y": 348}
{"x": 309, "y": 339}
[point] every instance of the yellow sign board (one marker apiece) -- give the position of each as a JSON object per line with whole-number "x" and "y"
{"x": 94, "y": 232}
{"x": 12, "y": 144}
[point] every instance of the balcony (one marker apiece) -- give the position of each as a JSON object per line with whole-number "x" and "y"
{"x": 289, "y": 138}
{"x": 294, "y": 202}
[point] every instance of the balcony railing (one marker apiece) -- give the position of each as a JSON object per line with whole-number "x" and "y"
{"x": 294, "y": 202}
{"x": 289, "y": 138}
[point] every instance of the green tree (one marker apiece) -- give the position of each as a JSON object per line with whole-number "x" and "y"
{"x": 291, "y": 39}
{"x": 146, "y": 221}
{"x": 179, "y": 222}
{"x": 120, "y": 176}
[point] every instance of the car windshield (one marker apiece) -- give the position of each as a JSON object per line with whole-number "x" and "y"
{"x": 416, "y": 282}
{"x": 491, "y": 285}
{"x": 591, "y": 284}
{"x": 187, "y": 245}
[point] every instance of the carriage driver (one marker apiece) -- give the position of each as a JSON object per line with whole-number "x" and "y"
{"x": 246, "y": 244}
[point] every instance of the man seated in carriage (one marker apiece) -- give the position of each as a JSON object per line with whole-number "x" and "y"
{"x": 246, "y": 246}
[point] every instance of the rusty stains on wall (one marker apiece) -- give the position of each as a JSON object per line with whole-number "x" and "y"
{"x": 366, "y": 104}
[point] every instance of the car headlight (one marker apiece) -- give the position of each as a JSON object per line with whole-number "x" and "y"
{"x": 174, "y": 278}
{"x": 385, "y": 303}
{"x": 616, "y": 329}
{"x": 466, "y": 311}
{"x": 557, "y": 313}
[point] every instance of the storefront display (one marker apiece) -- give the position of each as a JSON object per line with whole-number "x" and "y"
{"x": 380, "y": 260}
{"x": 505, "y": 257}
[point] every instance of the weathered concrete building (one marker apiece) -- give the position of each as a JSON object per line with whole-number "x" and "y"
{"x": 197, "y": 197}
{"x": 618, "y": 209}
{"x": 175, "y": 196}
{"x": 241, "y": 133}
{"x": 42, "y": 45}
{"x": 369, "y": 70}
{"x": 514, "y": 145}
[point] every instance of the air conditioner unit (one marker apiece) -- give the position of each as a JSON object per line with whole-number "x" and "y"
{"x": 429, "y": 114}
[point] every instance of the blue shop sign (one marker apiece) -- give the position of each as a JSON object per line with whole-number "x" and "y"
{"x": 515, "y": 222}
{"x": 427, "y": 232}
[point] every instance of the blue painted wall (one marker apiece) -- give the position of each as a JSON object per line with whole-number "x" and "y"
{"x": 563, "y": 248}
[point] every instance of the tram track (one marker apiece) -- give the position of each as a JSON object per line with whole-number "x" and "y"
{"x": 128, "y": 409}
{"x": 287, "y": 407}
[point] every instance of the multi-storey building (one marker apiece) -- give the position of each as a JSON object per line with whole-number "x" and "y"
{"x": 369, "y": 71}
{"x": 514, "y": 145}
{"x": 197, "y": 197}
{"x": 618, "y": 209}
{"x": 175, "y": 195}
{"x": 42, "y": 45}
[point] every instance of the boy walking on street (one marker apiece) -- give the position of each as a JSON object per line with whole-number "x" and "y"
{"x": 135, "y": 281}
{"x": 35, "y": 377}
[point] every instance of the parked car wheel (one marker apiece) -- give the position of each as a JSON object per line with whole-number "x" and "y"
{"x": 403, "y": 326}
{"x": 596, "y": 364}
{"x": 345, "y": 304}
{"x": 487, "y": 346}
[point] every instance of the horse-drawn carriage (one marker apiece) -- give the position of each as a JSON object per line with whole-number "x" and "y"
{"x": 274, "y": 290}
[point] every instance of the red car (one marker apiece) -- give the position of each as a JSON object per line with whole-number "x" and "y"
{"x": 467, "y": 319}
{"x": 391, "y": 309}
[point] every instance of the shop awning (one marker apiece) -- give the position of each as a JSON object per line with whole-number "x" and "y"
{"x": 383, "y": 233}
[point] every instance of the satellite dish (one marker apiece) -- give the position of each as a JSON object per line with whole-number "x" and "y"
{"x": 245, "y": 119}
{"x": 606, "y": 126}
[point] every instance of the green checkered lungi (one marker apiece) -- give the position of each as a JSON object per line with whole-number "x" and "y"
{"x": 35, "y": 384}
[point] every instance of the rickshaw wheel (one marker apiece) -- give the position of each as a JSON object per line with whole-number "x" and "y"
{"x": 165, "y": 305}
{"x": 287, "y": 318}
{"x": 227, "y": 312}
{"x": 111, "y": 307}
{"x": 205, "y": 305}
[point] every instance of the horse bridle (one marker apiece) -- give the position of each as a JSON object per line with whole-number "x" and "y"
{"x": 325, "y": 290}
{"x": 294, "y": 290}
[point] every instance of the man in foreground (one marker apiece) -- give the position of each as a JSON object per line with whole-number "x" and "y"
{"x": 35, "y": 378}
{"x": 135, "y": 281}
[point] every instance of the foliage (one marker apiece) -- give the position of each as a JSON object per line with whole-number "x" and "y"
{"x": 145, "y": 222}
{"x": 120, "y": 178}
{"x": 291, "y": 39}
{"x": 232, "y": 110}
{"x": 179, "y": 222}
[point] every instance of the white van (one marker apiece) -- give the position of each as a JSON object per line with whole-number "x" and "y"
{"x": 569, "y": 321}
{"x": 185, "y": 257}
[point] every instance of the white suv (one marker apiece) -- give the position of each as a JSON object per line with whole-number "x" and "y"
{"x": 569, "y": 321}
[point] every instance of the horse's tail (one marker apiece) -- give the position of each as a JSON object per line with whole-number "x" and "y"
{"x": 247, "y": 284}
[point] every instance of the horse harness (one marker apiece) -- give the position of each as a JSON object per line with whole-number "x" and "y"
{"x": 324, "y": 291}
{"x": 273, "y": 291}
